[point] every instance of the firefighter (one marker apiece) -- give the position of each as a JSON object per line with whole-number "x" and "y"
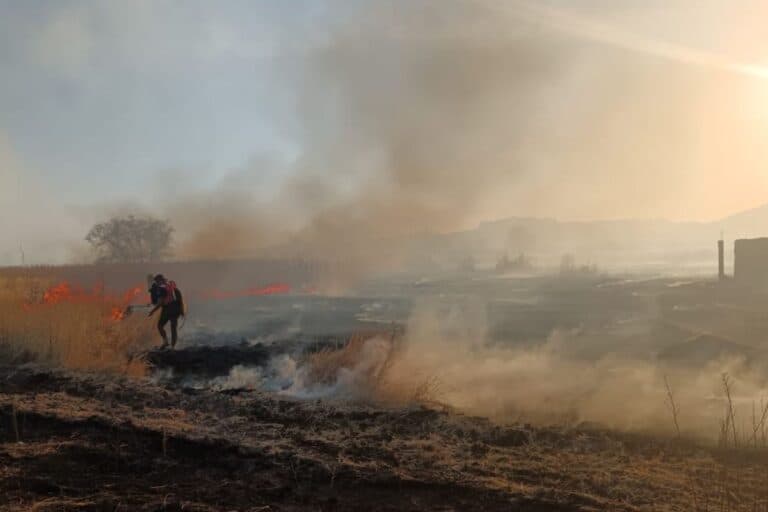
{"x": 167, "y": 297}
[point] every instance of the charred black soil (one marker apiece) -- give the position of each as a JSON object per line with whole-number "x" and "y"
{"x": 79, "y": 442}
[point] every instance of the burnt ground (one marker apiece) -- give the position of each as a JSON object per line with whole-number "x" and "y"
{"x": 88, "y": 442}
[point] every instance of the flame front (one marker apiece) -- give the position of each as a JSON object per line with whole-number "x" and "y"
{"x": 272, "y": 289}
{"x": 117, "y": 314}
{"x": 67, "y": 293}
{"x": 117, "y": 304}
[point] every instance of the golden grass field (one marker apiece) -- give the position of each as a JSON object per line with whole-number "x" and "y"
{"x": 76, "y": 435}
{"x": 77, "y": 333}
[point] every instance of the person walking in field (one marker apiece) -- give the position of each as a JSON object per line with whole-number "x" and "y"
{"x": 167, "y": 297}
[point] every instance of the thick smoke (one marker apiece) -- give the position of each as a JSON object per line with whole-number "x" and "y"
{"x": 575, "y": 377}
{"x": 427, "y": 116}
{"x": 388, "y": 119}
{"x": 407, "y": 118}
{"x": 445, "y": 357}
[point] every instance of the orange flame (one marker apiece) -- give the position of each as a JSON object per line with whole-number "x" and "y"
{"x": 117, "y": 314}
{"x": 272, "y": 289}
{"x": 66, "y": 293}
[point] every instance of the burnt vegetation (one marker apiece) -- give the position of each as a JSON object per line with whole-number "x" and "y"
{"x": 309, "y": 402}
{"x": 82, "y": 443}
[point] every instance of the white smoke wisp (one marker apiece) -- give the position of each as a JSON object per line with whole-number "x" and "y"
{"x": 240, "y": 377}
{"x": 277, "y": 376}
{"x": 349, "y": 379}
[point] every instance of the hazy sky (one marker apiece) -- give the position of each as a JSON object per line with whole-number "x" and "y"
{"x": 572, "y": 109}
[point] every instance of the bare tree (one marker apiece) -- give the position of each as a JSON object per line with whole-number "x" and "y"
{"x": 131, "y": 239}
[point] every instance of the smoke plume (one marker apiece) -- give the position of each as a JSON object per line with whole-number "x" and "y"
{"x": 407, "y": 118}
{"x": 428, "y": 116}
{"x": 445, "y": 357}
{"x": 367, "y": 122}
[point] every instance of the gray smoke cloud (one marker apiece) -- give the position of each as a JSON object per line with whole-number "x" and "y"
{"x": 407, "y": 118}
{"x": 396, "y": 118}
{"x": 426, "y": 116}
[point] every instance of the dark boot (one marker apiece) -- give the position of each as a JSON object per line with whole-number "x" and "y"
{"x": 174, "y": 331}
{"x": 161, "y": 330}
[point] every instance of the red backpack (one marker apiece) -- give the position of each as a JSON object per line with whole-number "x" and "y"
{"x": 170, "y": 293}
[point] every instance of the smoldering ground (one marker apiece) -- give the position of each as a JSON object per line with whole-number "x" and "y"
{"x": 429, "y": 115}
{"x": 551, "y": 383}
{"x": 447, "y": 355}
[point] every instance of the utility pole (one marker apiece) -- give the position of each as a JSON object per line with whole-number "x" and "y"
{"x": 721, "y": 258}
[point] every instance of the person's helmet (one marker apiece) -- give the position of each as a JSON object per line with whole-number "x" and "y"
{"x": 159, "y": 278}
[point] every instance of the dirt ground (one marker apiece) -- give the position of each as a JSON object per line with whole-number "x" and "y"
{"x": 87, "y": 442}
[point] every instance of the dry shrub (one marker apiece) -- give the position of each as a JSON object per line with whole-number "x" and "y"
{"x": 79, "y": 335}
{"x": 324, "y": 365}
{"x": 396, "y": 390}
{"x": 368, "y": 362}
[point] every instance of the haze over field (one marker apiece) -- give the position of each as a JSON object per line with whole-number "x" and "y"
{"x": 256, "y": 127}
{"x": 383, "y": 255}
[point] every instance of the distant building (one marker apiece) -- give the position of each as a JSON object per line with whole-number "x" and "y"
{"x": 505, "y": 264}
{"x": 751, "y": 262}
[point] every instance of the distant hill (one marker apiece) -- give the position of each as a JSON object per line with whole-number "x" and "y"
{"x": 747, "y": 224}
{"x": 613, "y": 243}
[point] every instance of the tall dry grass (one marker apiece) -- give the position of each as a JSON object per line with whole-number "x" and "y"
{"x": 79, "y": 335}
{"x": 368, "y": 362}
{"x": 325, "y": 364}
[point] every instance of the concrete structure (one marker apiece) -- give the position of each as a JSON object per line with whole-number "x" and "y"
{"x": 721, "y": 260}
{"x": 751, "y": 264}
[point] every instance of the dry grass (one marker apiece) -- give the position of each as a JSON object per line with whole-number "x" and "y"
{"x": 736, "y": 478}
{"x": 71, "y": 334}
{"x": 325, "y": 364}
{"x": 371, "y": 359}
